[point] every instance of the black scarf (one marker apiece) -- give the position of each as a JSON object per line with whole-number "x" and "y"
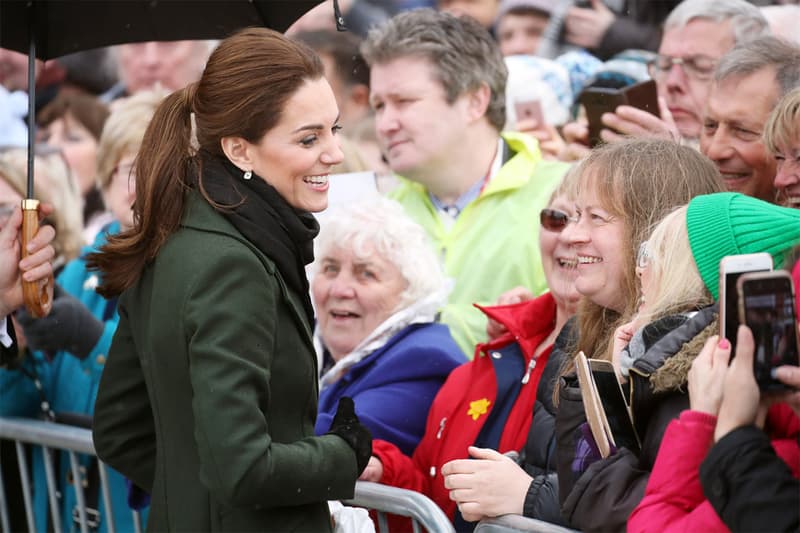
{"x": 262, "y": 215}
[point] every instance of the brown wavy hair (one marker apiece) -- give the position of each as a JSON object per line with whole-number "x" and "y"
{"x": 640, "y": 181}
{"x": 242, "y": 92}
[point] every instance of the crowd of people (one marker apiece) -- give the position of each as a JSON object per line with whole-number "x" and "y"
{"x": 242, "y": 360}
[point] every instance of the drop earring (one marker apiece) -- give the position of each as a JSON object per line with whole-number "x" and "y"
{"x": 248, "y": 174}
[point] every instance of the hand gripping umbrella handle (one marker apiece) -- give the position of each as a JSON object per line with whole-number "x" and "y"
{"x": 38, "y": 295}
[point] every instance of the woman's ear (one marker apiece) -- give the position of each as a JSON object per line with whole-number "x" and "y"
{"x": 237, "y": 150}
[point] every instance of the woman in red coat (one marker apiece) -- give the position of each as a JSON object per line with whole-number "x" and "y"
{"x": 489, "y": 402}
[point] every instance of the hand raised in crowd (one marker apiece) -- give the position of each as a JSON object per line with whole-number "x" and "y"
{"x": 576, "y": 139}
{"x": 35, "y": 267}
{"x": 585, "y": 27}
{"x": 740, "y": 397}
{"x": 512, "y": 296}
{"x": 790, "y": 375}
{"x": 550, "y": 141}
{"x": 630, "y": 121}
{"x": 490, "y": 484}
{"x": 707, "y": 376}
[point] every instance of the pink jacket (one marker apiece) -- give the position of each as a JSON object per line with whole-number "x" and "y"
{"x": 674, "y": 500}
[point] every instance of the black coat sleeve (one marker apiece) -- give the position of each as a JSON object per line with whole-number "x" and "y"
{"x": 748, "y": 485}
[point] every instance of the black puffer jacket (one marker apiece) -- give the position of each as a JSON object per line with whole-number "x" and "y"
{"x": 602, "y": 497}
{"x": 539, "y": 456}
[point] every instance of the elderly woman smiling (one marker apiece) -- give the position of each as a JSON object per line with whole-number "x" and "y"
{"x": 377, "y": 288}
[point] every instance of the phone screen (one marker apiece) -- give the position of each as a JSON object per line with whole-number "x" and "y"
{"x": 769, "y": 313}
{"x": 616, "y": 409}
{"x": 732, "y": 307}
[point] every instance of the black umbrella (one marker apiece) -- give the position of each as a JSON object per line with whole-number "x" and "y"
{"x": 46, "y": 29}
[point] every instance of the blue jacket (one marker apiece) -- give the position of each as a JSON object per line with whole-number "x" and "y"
{"x": 393, "y": 387}
{"x": 70, "y": 386}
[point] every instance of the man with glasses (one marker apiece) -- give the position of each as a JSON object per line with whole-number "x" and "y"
{"x": 697, "y": 34}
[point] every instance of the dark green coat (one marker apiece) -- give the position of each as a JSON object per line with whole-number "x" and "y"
{"x": 209, "y": 395}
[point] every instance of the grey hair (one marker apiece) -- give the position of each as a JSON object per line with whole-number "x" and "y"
{"x": 763, "y": 52}
{"x": 747, "y": 21}
{"x": 461, "y": 52}
{"x": 380, "y": 225}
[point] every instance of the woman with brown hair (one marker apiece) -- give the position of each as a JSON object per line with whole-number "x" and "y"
{"x": 208, "y": 399}
{"x": 625, "y": 190}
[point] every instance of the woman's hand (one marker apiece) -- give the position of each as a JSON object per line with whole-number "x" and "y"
{"x": 740, "y": 396}
{"x": 631, "y": 121}
{"x": 373, "y": 472}
{"x": 490, "y": 484}
{"x": 550, "y": 142}
{"x": 790, "y": 375}
{"x": 707, "y": 376}
{"x": 513, "y": 296}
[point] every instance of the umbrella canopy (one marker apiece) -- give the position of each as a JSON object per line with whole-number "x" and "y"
{"x": 60, "y": 27}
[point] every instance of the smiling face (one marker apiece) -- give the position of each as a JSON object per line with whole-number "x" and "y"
{"x": 353, "y": 295}
{"x": 686, "y": 95}
{"x": 297, "y": 154}
{"x": 738, "y": 109}
{"x": 558, "y": 257}
{"x": 598, "y": 241}
{"x": 415, "y": 124}
{"x": 787, "y": 175}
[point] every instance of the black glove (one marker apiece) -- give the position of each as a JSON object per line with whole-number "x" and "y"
{"x": 69, "y": 327}
{"x": 346, "y": 425}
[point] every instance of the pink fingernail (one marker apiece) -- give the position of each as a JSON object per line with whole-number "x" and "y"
{"x": 724, "y": 344}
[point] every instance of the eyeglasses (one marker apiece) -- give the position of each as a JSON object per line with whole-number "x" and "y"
{"x": 643, "y": 256}
{"x": 555, "y": 220}
{"x": 699, "y": 67}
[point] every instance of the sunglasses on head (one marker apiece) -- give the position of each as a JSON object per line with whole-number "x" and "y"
{"x": 554, "y": 220}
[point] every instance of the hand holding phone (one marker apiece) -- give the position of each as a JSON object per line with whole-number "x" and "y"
{"x": 730, "y": 268}
{"x": 599, "y": 100}
{"x": 529, "y": 110}
{"x": 766, "y": 306}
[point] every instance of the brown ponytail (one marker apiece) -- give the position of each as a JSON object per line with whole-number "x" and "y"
{"x": 242, "y": 92}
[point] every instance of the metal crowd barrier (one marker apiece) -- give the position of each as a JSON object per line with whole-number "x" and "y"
{"x": 518, "y": 524}
{"x": 54, "y": 437}
{"x": 391, "y": 500}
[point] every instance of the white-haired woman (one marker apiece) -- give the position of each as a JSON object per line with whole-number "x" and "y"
{"x": 377, "y": 288}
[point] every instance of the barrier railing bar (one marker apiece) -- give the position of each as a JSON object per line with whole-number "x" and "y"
{"x": 77, "y": 484}
{"x": 5, "y": 524}
{"x": 401, "y": 502}
{"x": 51, "y": 487}
{"x": 26, "y": 485}
{"x": 101, "y": 470}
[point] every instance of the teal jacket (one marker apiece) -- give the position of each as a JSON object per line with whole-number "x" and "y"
{"x": 493, "y": 245}
{"x": 209, "y": 396}
{"x": 69, "y": 386}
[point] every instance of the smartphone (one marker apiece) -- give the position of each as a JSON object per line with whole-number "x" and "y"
{"x": 529, "y": 109}
{"x": 599, "y": 100}
{"x": 766, "y": 306}
{"x": 615, "y": 405}
{"x": 730, "y": 268}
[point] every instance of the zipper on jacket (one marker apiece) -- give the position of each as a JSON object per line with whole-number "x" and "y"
{"x": 527, "y": 375}
{"x": 442, "y": 422}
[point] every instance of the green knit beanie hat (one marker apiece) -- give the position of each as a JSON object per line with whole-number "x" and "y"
{"x": 730, "y": 224}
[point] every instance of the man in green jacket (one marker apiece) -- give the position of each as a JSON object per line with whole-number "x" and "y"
{"x": 437, "y": 84}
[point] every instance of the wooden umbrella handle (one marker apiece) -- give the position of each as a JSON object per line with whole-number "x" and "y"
{"x": 37, "y": 295}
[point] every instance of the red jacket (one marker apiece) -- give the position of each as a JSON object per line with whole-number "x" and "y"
{"x": 674, "y": 500}
{"x": 466, "y": 399}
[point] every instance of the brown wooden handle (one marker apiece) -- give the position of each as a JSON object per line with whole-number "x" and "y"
{"x": 38, "y": 295}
